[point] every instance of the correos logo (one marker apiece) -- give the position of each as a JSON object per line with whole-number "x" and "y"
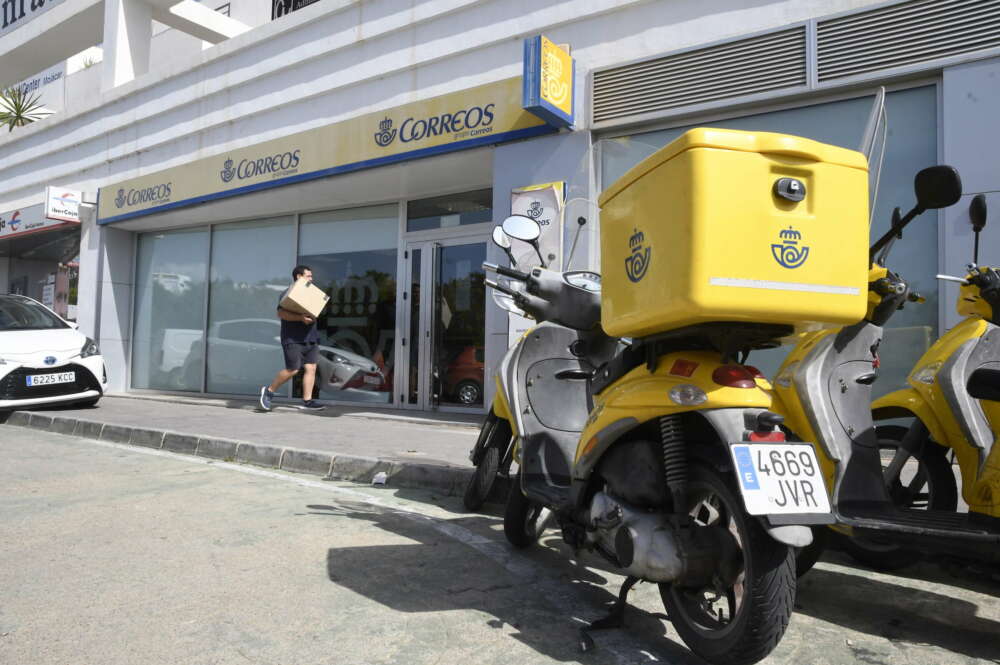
{"x": 472, "y": 121}
{"x": 132, "y": 197}
{"x": 251, "y": 168}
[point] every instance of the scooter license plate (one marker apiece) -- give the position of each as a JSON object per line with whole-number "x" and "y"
{"x": 780, "y": 478}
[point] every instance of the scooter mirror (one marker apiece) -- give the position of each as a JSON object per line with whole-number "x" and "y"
{"x": 937, "y": 187}
{"x": 977, "y": 212}
{"x": 501, "y": 239}
{"x": 522, "y": 228}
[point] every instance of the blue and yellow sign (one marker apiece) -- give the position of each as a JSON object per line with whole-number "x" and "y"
{"x": 549, "y": 79}
{"x": 485, "y": 115}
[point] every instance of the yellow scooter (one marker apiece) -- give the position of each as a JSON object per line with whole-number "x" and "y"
{"x": 667, "y": 460}
{"x": 823, "y": 389}
{"x": 949, "y": 407}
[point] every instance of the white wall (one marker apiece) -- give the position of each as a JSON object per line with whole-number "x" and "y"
{"x": 337, "y": 59}
{"x": 971, "y": 107}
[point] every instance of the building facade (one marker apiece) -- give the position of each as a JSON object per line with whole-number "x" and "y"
{"x": 379, "y": 142}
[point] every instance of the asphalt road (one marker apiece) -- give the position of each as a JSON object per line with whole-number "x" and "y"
{"x": 116, "y": 555}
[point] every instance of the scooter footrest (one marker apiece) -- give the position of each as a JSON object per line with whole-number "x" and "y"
{"x": 920, "y": 523}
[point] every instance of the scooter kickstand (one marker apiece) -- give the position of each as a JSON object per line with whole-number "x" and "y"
{"x": 614, "y": 619}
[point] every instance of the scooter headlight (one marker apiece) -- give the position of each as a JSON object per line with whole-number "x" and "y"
{"x": 686, "y": 394}
{"x": 926, "y": 373}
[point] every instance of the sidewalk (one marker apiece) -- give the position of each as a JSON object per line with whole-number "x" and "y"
{"x": 415, "y": 449}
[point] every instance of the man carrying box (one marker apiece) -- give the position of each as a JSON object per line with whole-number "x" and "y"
{"x": 299, "y": 337}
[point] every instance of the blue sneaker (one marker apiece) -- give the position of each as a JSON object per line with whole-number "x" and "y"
{"x": 265, "y": 398}
{"x": 311, "y": 405}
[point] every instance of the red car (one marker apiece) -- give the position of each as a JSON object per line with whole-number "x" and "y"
{"x": 463, "y": 377}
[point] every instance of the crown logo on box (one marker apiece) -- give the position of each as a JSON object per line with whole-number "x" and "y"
{"x": 788, "y": 253}
{"x": 637, "y": 262}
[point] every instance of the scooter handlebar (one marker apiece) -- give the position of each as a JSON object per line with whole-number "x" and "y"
{"x": 506, "y": 272}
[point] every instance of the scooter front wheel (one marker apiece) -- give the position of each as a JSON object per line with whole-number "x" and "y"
{"x": 523, "y": 520}
{"x": 740, "y": 624}
{"x": 483, "y": 478}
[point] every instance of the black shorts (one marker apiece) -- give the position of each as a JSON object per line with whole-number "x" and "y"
{"x": 297, "y": 355}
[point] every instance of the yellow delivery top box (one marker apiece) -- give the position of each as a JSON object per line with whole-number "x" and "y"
{"x": 709, "y": 229}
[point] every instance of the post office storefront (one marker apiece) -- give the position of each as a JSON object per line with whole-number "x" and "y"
{"x": 392, "y": 211}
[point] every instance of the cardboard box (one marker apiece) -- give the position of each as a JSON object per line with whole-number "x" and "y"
{"x": 305, "y": 298}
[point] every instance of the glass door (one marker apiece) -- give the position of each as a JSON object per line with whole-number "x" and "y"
{"x": 446, "y": 322}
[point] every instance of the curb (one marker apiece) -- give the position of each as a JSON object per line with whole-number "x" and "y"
{"x": 450, "y": 480}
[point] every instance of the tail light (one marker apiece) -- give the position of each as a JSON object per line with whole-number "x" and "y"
{"x": 734, "y": 376}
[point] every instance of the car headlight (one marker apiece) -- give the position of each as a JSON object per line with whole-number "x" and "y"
{"x": 89, "y": 349}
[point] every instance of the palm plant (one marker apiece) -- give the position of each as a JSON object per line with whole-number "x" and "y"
{"x": 18, "y": 108}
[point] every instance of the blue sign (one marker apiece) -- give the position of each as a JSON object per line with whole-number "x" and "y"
{"x": 549, "y": 80}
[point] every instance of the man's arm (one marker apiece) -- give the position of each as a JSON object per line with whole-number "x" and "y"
{"x": 285, "y": 315}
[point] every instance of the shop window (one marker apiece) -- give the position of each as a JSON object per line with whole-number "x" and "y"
{"x": 168, "y": 331}
{"x": 353, "y": 255}
{"x": 251, "y": 267}
{"x": 911, "y": 145}
{"x": 452, "y": 210}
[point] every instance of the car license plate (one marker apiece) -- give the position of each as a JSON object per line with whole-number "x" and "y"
{"x": 49, "y": 379}
{"x": 778, "y": 478}
{"x": 373, "y": 380}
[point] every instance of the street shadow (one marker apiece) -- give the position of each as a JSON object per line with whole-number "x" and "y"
{"x": 898, "y": 613}
{"x": 970, "y": 576}
{"x": 436, "y": 573}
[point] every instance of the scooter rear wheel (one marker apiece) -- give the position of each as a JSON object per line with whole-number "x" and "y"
{"x": 932, "y": 487}
{"x": 742, "y": 624}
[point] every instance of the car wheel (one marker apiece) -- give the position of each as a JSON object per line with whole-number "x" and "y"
{"x": 469, "y": 392}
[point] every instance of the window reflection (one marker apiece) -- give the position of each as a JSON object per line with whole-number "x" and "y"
{"x": 244, "y": 348}
{"x": 460, "y": 325}
{"x": 452, "y": 210}
{"x": 169, "y": 310}
{"x": 353, "y": 255}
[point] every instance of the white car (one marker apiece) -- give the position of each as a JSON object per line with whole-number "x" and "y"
{"x": 45, "y": 359}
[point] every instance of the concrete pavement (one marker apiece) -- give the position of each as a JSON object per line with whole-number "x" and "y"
{"x": 416, "y": 450}
{"x": 118, "y": 554}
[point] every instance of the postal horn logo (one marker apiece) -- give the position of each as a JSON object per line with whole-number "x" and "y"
{"x": 228, "y": 172}
{"x": 637, "y": 262}
{"x": 788, "y": 252}
{"x": 535, "y": 210}
{"x": 120, "y": 199}
{"x": 385, "y": 134}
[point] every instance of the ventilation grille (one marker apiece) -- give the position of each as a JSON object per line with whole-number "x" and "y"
{"x": 745, "y": 67}
{"x": 905, "y": 34}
